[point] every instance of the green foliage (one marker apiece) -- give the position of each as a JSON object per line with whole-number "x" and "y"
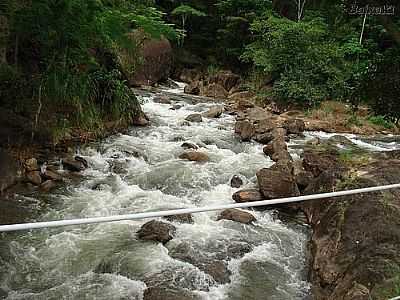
{"x": 186, "y": 10}
{"x": 305, "y": 63}
{"x": 68, "y": 55}
{"x": 381, "y": 121}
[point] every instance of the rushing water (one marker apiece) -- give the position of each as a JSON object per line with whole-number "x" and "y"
{"x": 138, "y": 172}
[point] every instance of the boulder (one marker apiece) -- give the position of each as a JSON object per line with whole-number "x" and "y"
{"x": 31, "y": 165}
{"x": 214, "y": 112}
{"x": 237, "y": 216}
{"x": 9, "y": 171}
{"x": 162, "y": 293}
{"x": 303, "y": 179}
{"x": 187, "y": 145}
{"x": 157, "y": 61}
{"x": 294, "y": 126}
{"x": 176, "y": 106}
{"x": 194, "y": 118}
{"x": 193, "y": 88}
{"x": 34, "y": 177}
{"x": 214, "y": 90}
{"x": 226, "y": 79}
{"x": 183, "y": 218}
{"x": 277, "y": 182}
{"x": 51, "y": 175}
{"x": 248, "y": 195}
{"x": 194, "y": 156}
{"x": 245, "y": 104}
{"x": 47, "y": 186}
{"x": 140, "y": 120}
{"x": 316, "y": 161}
{"x": 163, "y": 99}
{"x": 189, "y": 75}
{"x": 264, "y": 138}
{"x": 236, "y": 181}
{"x": 218, "y": 270}
{"x": 74, "y": 164}
{"x": 277, "y": 150}
{"x": 156, "y": 231}
{"x": 245, "y": 129}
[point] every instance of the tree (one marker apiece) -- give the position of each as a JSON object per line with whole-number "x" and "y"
{"x": 186, "y": 11}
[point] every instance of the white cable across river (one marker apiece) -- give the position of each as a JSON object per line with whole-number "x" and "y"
{"x": 146, "y": 215}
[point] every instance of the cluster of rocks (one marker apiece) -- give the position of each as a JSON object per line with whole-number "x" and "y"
{"x": 222, "y": 85}
{"x": 45, "y": 176}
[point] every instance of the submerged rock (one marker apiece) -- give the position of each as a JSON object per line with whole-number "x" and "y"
{"x": 51, "y": 175}
{"x": 188, "y": 145}
{"x": 236, "y": 181}
{"x": 163, "y": 99}
{"x": 156, "y": 231}
{"x": 247, "y": 195}
{"x": 183, "y": 218}
{"x": 161, "y": 293}
{"x": 47, "y": 186}
{"x": 194, "y": 118}
{"x": 194, "y": 156}
{"x": 237, "y": 216}
{"x": 74, "y": 164}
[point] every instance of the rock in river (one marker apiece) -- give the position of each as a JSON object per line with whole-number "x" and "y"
{"x": 248, "y": 195}
{"x": 194, "y": 156}
{"x": 156, "y": 231}
{"x": 236, "y": 181}
{"x": 237, "y": 215}
{"x": 194, "y": 118}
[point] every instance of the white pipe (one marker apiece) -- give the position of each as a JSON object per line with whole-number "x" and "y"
{"x": 37, "y": 225}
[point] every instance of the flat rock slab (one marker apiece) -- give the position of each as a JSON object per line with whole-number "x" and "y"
{"x": 237, "y": 215}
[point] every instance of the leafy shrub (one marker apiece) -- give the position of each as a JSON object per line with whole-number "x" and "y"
{"x": 381, "y": 121}
{"x": 305, "y": 63}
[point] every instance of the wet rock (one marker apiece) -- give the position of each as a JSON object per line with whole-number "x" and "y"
{"x": 161, "y": 293}
{"x": 141, "y": 120}
{"x": 217, "y": 270}
{"x": 277, "y": 150}
{"x": 194, "y": 118}
{"x": 237, "y": 216}
{"x": 193, "y": 88}
{"x": 294, "y": 126}
{"x": 9, "y": 171}
{"x": 214, "y": 90}
{"x": 214, "y": 112}
{"x": 194, "y": 156}
{"x": 176, "y": 106}
{"x": 247, "y": 195}
{"x": 245, "y": 104}
{"x": 47, "y": 186}
{"x": 3, "y": 294}
{"x": 303, "y": 179}
{"x": 245, "y": 130}
{"x": 188, "y": 145}
{"x": 236, "y": 181}
{"x": 74, "y": 164}
{"x": 31, "y": 165}
{"x": 51, "y": 175}
{"x": 156, "y": 231}
{"x": 264, "y": 138}
{"x": 34, "y": 177}
{"x": 238, "y": 250}
{"x": 183, "y": 218}
{"x": 277, "y": 182}
{"x": 163, "y": 99}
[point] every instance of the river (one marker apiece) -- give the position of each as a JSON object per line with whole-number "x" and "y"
{"x": 139, "y": 172}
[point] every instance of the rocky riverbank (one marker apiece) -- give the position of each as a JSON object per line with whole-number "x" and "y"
{"x": 355, "y": 252}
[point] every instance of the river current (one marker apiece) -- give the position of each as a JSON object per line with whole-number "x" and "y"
{"x": 140, "y": 172}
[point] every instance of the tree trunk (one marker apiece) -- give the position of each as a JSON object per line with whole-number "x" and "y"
{"x": 4, "y": 34}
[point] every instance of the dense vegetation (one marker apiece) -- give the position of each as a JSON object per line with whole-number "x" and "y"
{"x": 66, "y": 55}
{"x": 308, "y": 51}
